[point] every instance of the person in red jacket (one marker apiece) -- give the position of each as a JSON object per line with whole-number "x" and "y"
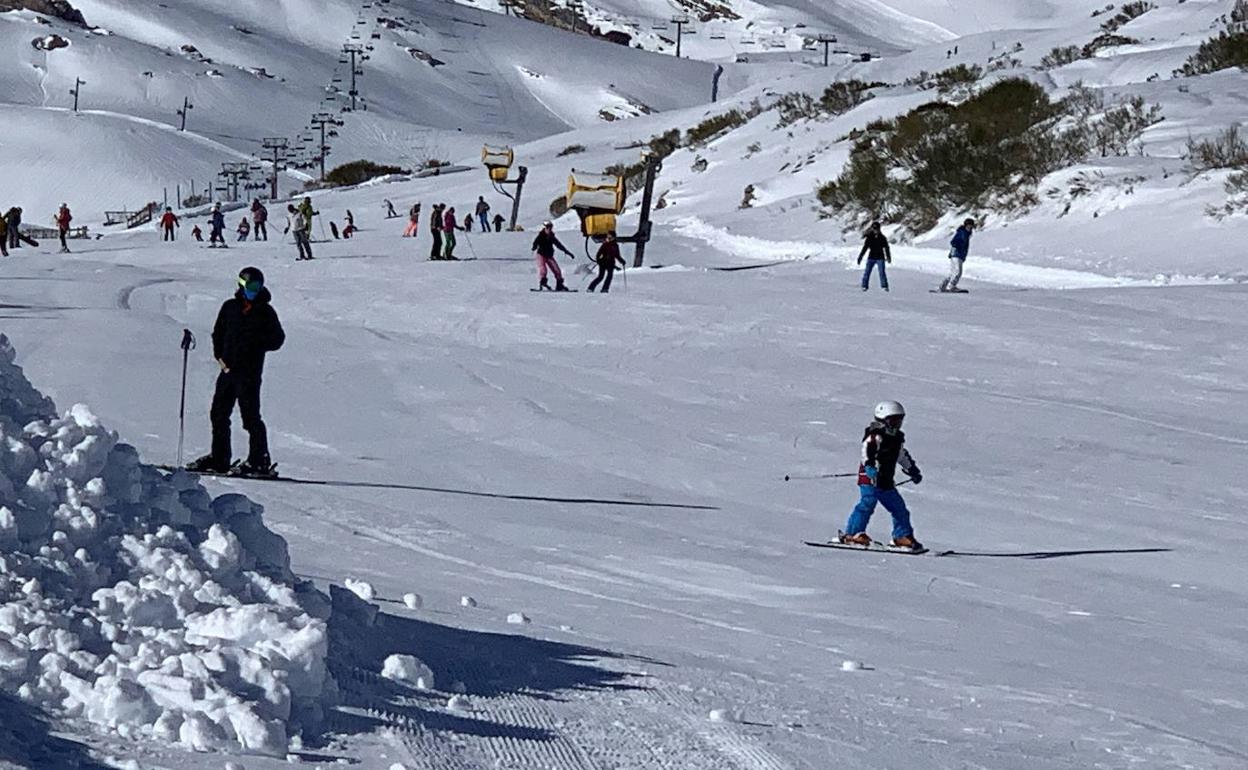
{"x": 168, "y": 221}
{"x": 607, "y": 258}
{"x": 63, "y": 218}
{"x": 259, "y": 216}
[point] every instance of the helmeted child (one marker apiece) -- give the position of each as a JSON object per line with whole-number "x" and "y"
{"x": 883, "y": 450}
{"x": 216, "y": 221}
{"x": 244, "y": 228}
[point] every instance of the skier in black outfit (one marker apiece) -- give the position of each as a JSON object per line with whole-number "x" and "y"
{"x": 875, "y": 248}
{"x": 247, "y": 327}
{"x": 607, "y": 258}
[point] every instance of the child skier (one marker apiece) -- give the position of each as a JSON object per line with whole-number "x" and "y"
{"x": 196, "y": 233}
{"x": 216, "y": 221}
{"x": 883, "y": 449}
{"x": 244, "y": 229}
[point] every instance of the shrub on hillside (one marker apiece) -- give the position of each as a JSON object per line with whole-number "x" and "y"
{"x": 715, "y": 125}
{"x": 959, "y": 76}
{"x": 1125, "y": 14}
{"x": 358, "y": 171}
{"x": 1229, "y": 49}
{"x": 836, "y": 99}
{"x": 1060, "y": 57}
{"x": 994, "y": 147}
{"x": 1226, "y": 149}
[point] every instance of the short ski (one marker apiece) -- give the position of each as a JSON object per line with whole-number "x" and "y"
{"x": 873, "y": 548}
{"x": 557, "y": 291}
{"x": 235, "y": 472}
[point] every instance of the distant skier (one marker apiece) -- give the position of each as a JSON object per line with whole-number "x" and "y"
{"x": 413, "y": 222}
{"x": 959, "y": 247}
{"x": 883, "y": 449}
{"x": 449, "y": 226}
{"x": 348, "y": 229}
{"x": 467, "y": 223}
{"x": 435, "y": 227}
{"x": 260, "y": 218}
{"x": 483, "y": 213}
{"x": 244, "y": 228}
{"x": 4, "y": 237}
{"x": 63, "y": 218}
{"x": 247, "y": 328}
{"x": 390, "y": 212}
{"x": 197, "y": 234}
{"x": 607, "y": 258}
{"x": 498, "y": 223}
{"x": 13, "y": 218}
{"x": 216, "y": 221}
{"x": 296, "y": 224}
{"x": 544, "y": 246}
{"x": 168, "y": 221}
{"x": 875, "y": 248}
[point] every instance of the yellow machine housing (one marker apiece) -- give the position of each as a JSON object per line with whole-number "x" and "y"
{"x": 597, "y": 199}
{"x": 596, "y": 225}
{"x": 498, "y": 173}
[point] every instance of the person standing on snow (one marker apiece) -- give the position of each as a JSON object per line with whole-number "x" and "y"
{"x": 13, "y": 218}
{"x": 217, "y": 222}
{"x": 4, "y": 237}
{"x": 877, "y": 252}
{"x": 260, "y": 218}
{"x": 498, "y": 223}
{"x": 413, "y": 221}
{"x": 607, "y": 258}
{"x": 168, "y": 221}
{"x": 63, "y": 218}
{"x": 449, "y": 226}
{"x": 959, "y": 247}
{"x": 483, "y": 213}
{"x": 247, "y": 328}
{"x": 883, "y": 450}
{"x": 244, "y": 228}
{"x": 435, "y": 227}
{"x": 295, "y": 225}
{"x": 544, "y": 246}
{"x": 197, "y": 234}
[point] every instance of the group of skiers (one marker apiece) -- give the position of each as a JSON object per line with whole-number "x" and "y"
{"x": 12, "y": 237}
{"x": 444, "y": 223}
{"x": 878, "y": 253}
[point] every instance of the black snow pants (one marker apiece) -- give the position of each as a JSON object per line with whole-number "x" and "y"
{"x": 262, "y": 232}
{"x": 435, "y": 251}
{"x": 243, "y": 389}
{"x": 605, "y": 274}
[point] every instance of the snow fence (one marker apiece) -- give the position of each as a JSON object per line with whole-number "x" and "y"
{"x": 139, "y": 603}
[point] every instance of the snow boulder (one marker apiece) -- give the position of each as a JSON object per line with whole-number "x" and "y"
{"x": 136, "y": 602}
{"x": 409, "y": 670}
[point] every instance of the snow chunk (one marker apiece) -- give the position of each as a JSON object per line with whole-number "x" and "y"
{"x": 724, "y": 715}
{"x": 518, "y": 618}
{"x": 361, "y": 588}
{"x": 459, "y": 703}
{"x": 467, "y": 601}
{"x": 409, "y": 670}
{"x": 851, "y": 665}
{"x": 413, "y": 601}
{"x": 137, "y": 602}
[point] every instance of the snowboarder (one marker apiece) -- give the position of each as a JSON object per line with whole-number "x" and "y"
{"x": 449, "y": 226}
{"x": 13, "y": 218}
{"x": 244, "y": 228}
{"x": 607, "y": 257}
{"x": 435, "y": 227}
{"x": 498, "y": 223}
{"x": 247, "y": 328}
{"x": 959, "y": 247}
{"x": 544, "y": 246}
{"x": 483, "y": 213}
{"x": 390, "y": 212}
{"x": 260, "y": 217}
{"x": 197, "y": 234}
{"x": 168, "y": 221}
{"x": 883, "y": 449}
{"x": 875, "y": 248}
{"x": 63, "y": 218}
{"x": 295, "y": 223}
{"x": 217, "y": 222}
{"x": 413, "y": 221}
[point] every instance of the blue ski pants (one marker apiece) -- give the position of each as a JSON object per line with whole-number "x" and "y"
{"x": 873, "y": 264}
{"x": 891, "y": 499}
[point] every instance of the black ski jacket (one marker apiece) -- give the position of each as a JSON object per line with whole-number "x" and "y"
{"x": 245, "y": 331}
{"x": 884, "y": 451}
{"x": 877, "y": 245}
{"x": 545, "y": 243}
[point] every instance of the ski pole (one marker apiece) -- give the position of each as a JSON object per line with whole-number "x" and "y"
{"x": 471, "y": 248}
{"x": 788, "y": 477}
{"x": 188, "y": 344}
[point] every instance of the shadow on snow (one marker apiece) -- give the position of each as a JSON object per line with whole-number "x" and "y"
{"x": 25, "y": 740}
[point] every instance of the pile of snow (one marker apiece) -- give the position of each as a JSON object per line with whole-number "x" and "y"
{"x": 137, "y": 602}
{"x": 409, "y": 670}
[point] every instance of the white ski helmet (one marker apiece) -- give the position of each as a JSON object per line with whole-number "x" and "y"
{"x": 886, "y": 409}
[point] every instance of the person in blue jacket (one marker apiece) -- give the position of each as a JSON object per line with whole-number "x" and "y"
{"x": 216, "y": 221}
{"x": 959, "y": 247}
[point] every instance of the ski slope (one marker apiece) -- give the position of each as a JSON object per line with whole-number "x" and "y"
{"x": 610, "y": 467}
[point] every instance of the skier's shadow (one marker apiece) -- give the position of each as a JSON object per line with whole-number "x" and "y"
{"x": 1052, "y": 554}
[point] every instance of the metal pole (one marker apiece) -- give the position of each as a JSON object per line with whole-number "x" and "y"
{"x": 643, "y": 227}
{"x": 515, "y": 203}
{"x": 680, "y": 33}
{"x": 188, "y": 343}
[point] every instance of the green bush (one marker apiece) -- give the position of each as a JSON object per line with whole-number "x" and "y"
{"x": 715, "y": 125}
{"x": 1125, "y": 14}
{"x": 1229, "y": 49}
{"x": 995, "y": 146}
{"x": 836, "y": 99}
{"x": 1227, "y": 149}
{"x": 1060, "y": 57}
{"x": 358, "y": 171}
{"x": 571, "y": 149}
{"x": 958, "y": 77}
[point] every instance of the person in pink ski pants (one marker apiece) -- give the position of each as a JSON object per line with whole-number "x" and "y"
{"x": 544, "y": 246}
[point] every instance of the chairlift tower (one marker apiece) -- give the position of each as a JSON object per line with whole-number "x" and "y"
{"x": 680, "y": 22}
{"x": 354, "y": 50}
{"x": 78, "y": 84}
{"x": 186, "y": 107}
{"x": 279, "y": 146}
{"x": 825, "y": 41}
{"x": 322, "y": 120}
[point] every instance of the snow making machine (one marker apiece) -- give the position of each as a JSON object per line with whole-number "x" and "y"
{"x": 498, "y": 162}
{"x": 598, "y": 200}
